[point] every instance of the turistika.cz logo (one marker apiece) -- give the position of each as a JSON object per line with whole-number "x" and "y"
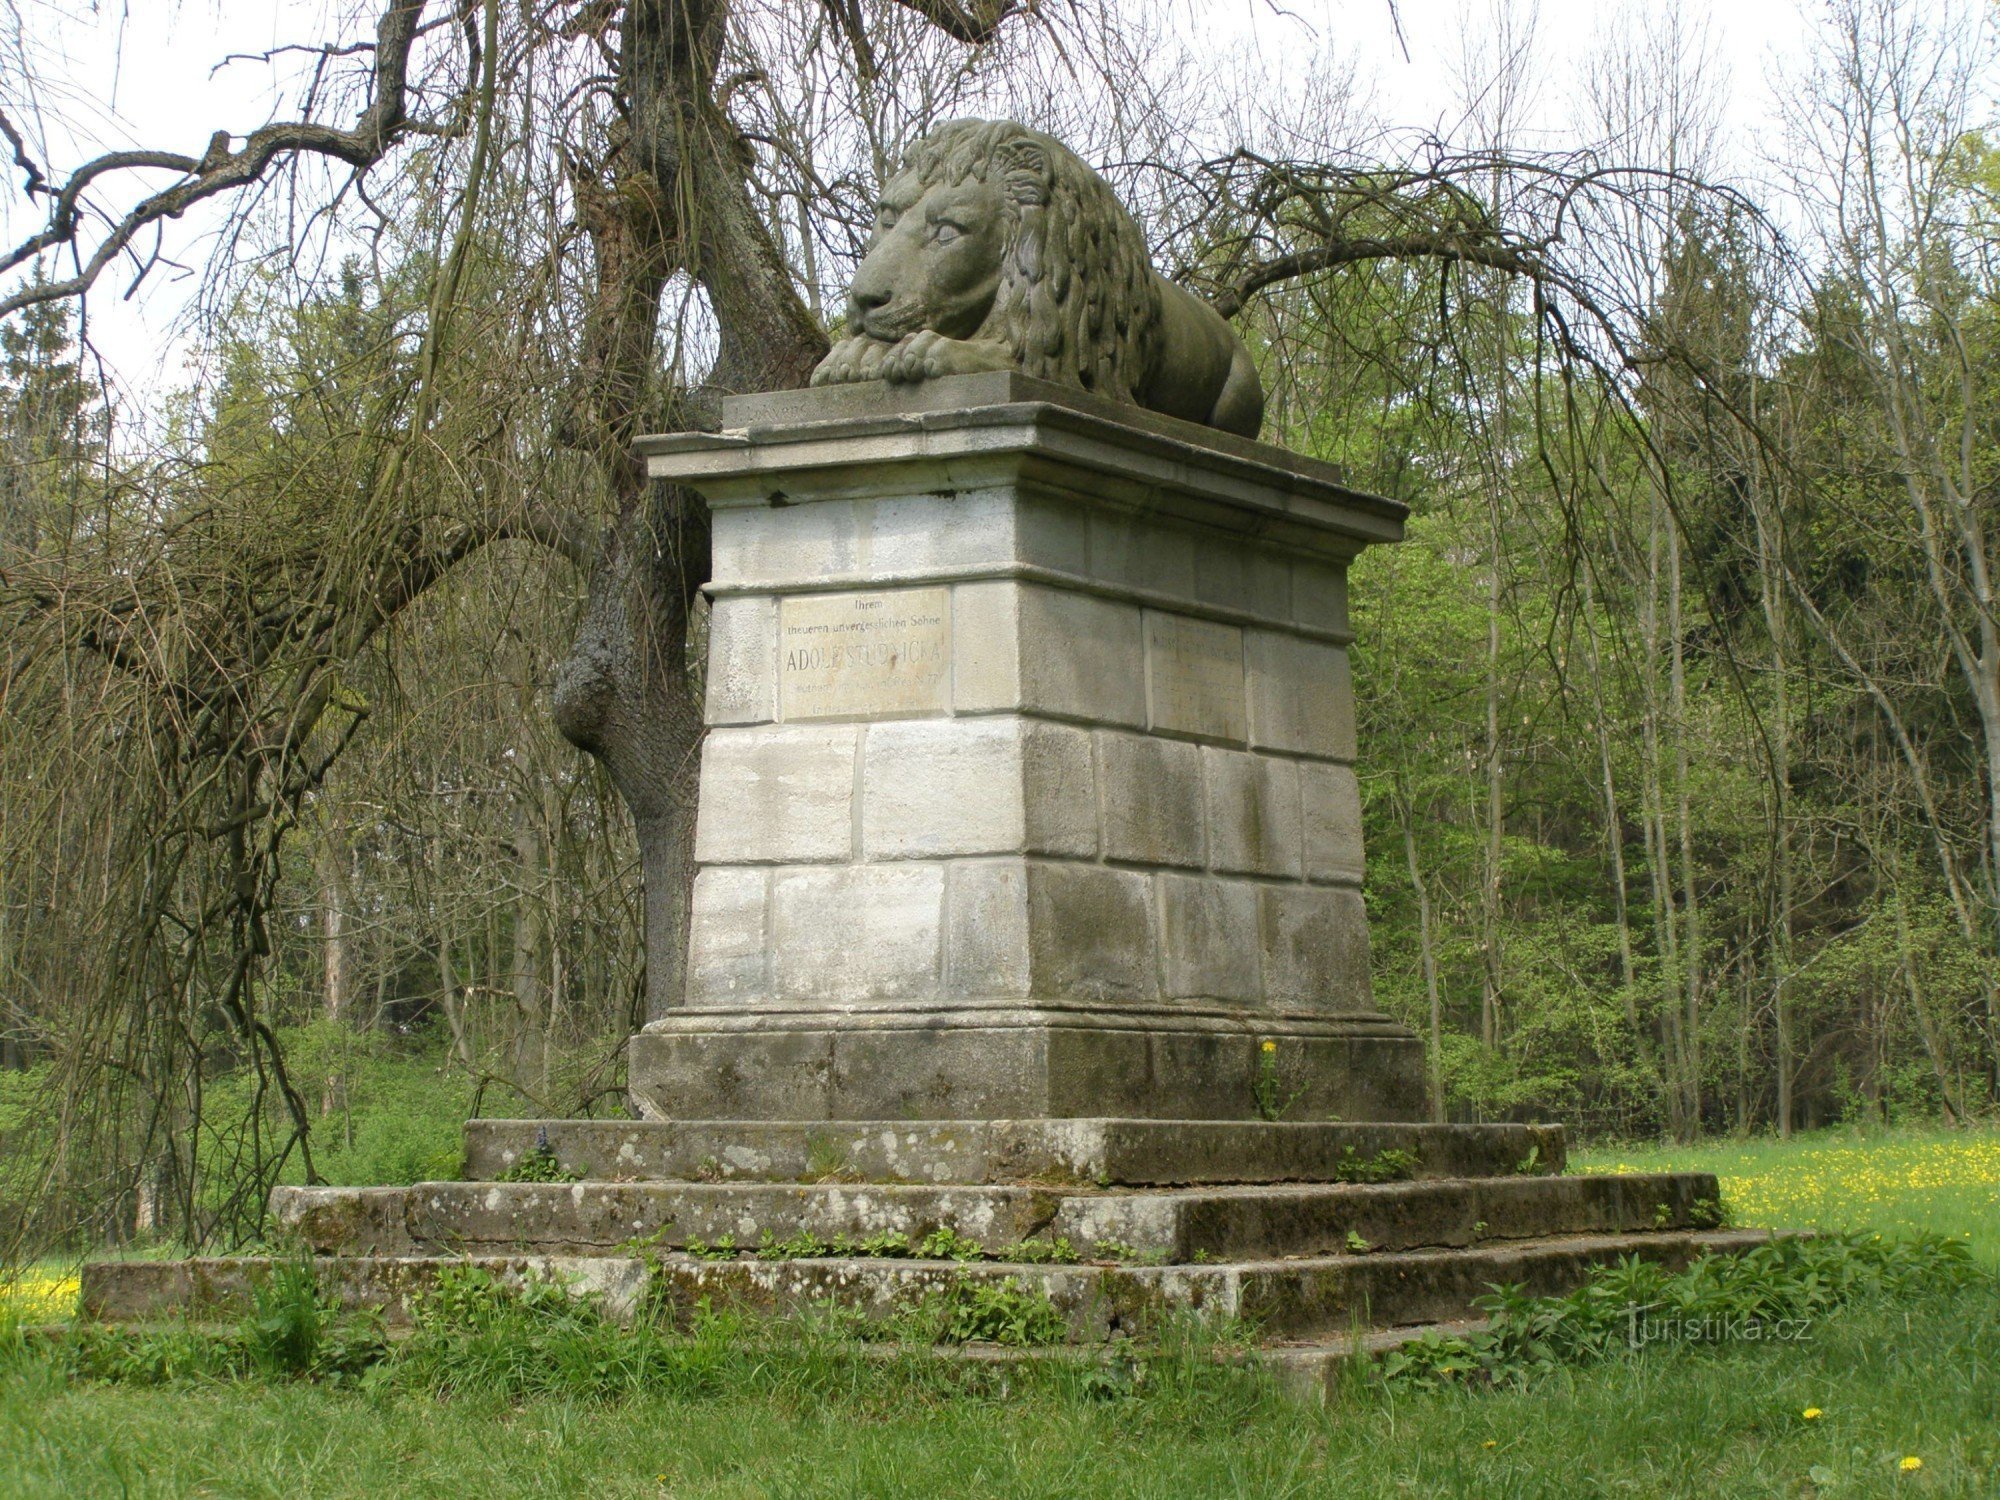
{"x": 1645, "y": 1326}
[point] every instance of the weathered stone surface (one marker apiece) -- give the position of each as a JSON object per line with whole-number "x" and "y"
{"x": 1082, "y": 657}
{"x": 935, "y": 788}
{"x": 130, "y": 1291}
{"x": 777, "y": 793}
{"x": 600, "y": 1218}
{"x": 1315, "y": 947}
{"x": 1208, "y": 939}
{"x": 1181, "y": 1226}
{"x": 986, "y": 949}
{"x": 1252, "y": 580}
{"x": 1331, "y": 799}
{"x": 743, "y": 660}
{"x": 1248, "y": 1223}
{"x": 1090, "y": 931}
{"x": 860, "y": 538}
{"x": 1253, "y": 813}
{"x": 1110, "y": 1152}
{"x": 858, "y": 932}
{"x": 1319, "y": 595}
{"x": 1288, "y": 1299}
{"x": 1194, "y": 676}
{"x": 729, "y": 953}
{"x": 1301, "y": 695}
{"x": 954, "y": 1062}
{"x": 986, "y": 646}
{"x": 1152, "y": 799}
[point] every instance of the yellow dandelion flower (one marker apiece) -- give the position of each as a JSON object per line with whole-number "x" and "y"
{"x": 1812, "y": 1413}
{"x": 1911, "y": 1464}
{"x": 1491, "y": 1443}
{"x": 1270, "y": 1046}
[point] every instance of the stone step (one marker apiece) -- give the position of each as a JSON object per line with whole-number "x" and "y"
{"x": 1169, "y": 1226}
{"x": 1319, "y": 1298}
{"x": 1308, "y": 1298}
{"x": 1107, "y": 1153}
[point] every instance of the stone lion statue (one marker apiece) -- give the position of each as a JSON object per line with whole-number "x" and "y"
{"x": 996, "y": 248}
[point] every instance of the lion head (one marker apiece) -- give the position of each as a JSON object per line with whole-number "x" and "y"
{"x": 998, "y": 237}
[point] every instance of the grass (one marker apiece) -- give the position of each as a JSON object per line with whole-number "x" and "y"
{"x": 1920, "y": 1380}
{"x": 1891, "y": 1181}
{"x": 1891, "y": 1379}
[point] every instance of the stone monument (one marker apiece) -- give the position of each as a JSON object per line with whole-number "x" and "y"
{"x": 1029, "y": 784}
{"x": 1029, "y": 907}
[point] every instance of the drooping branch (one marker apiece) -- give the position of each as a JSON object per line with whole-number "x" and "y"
{"x": 219, "y": 170}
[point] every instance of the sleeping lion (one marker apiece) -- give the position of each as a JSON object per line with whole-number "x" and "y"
{"x": 996, "y": 248}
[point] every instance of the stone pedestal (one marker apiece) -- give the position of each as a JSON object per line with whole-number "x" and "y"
{"x": 1029, "y": 785}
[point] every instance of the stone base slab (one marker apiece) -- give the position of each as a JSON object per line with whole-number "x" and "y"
{"x": 1321, "y": 1297}
{"x": 1109, "y": 1153}
{"x": 1179, "y": 1226}
{"x": 972, "y": 1064}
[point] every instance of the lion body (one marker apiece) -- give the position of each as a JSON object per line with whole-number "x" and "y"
{"x": 996, "y": 247}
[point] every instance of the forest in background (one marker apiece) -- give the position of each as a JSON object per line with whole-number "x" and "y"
{"x": 1680, "y": 706}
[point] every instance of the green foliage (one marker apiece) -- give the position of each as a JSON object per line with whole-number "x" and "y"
{"x": 946, "y": 1243}
{"x": 1389, "y": 1165}
{"x": 1267, "y": 1089}
{"x": 942, "y": 1243}
{"x": 1775, "y": 1292}
{"x": 539, "y": 1164}
{"x": 965, "y": 1311}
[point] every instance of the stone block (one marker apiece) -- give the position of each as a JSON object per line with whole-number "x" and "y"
{"x": 1234, "y": 574}
{"x": 1194, "y": 676}
{"x": 862, "y": 932}
{"x": 1081, "y": 657}
{"x": 729, "y": 937}
{"x": 1332, "y": 801}
{"x": 1253, "y": 813}
{"x": 902, "y": 535}
{"x": 1150, "y": 790}
{"x": 1208, "y": 939}
{"x": 986, "y": 949}
{"x": 1051, "y": 531}
{"x": 1091, "y": 932}
{"x": 1301, "y": 696}
{"x": 1021, "y": 1064}
{"x": 1141, "y": 554}
{"x": 776, "y": 794}
{"x": 1315, "y": 941}
{"x": 1319, "y": 595}
{"x": 742, "y": 660}
{"x": 986, "y": 646}
{"x": 944, "y": 787}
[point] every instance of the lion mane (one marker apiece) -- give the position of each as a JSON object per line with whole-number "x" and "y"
{"x": 1078, "y": 300}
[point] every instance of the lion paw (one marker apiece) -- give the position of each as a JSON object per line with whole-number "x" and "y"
{"x": 844, "y": 361}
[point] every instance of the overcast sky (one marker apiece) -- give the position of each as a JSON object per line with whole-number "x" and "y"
{"x": 144, "y": 72}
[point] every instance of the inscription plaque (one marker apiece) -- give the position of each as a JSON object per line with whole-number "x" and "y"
{"x": 1195, "y": 673}
{"x": 845, "y": 655}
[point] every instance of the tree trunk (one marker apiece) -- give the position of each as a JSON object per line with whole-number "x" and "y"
{"x": 679, "y": 201}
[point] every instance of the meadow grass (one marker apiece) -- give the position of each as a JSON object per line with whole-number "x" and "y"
{"x": 1890, "y": 1381}
{"x": 1897, "y": 1181}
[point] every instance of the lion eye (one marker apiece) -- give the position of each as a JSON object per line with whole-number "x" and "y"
{"x": 944, "y": 234}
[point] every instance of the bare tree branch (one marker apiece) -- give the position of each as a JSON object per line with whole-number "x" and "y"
{"x": 220, "y": 170}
